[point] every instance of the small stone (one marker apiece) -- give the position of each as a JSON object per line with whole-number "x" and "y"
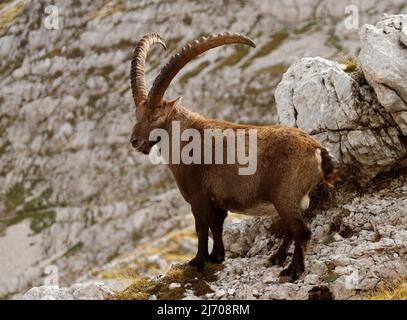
{"x": 220, "y": 293}
{"x": 337, "y": 237}
{"x": 174, "y": 285}
{"x": 311, "y": 279}
{"x": 269, "y": 279}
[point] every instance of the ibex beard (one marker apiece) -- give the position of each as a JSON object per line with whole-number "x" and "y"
{"x": 289, "y": 162}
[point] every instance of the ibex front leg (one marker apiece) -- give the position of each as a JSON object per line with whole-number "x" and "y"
{"x": 203, "y": 215}
{"x": 218, "y": 252}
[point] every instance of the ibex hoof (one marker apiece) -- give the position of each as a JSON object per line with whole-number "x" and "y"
{"x": 216, "y": 258}
{"x": 288, "y": 275}
{"x": 196, "y": 265}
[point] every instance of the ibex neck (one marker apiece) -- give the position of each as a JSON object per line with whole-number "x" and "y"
{"x": 187, "y": 118}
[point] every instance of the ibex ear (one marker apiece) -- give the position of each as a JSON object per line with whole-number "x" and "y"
{"x": 171, "y": 105}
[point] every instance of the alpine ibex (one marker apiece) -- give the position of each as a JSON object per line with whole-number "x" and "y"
{"x": 290, "y": 163}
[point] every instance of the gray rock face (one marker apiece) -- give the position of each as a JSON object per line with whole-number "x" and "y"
{"x": 383, "y": 59}
{"x": 319, "y": 97}
{"x": 79, "y": 291}
{"x": 73, "y": 192}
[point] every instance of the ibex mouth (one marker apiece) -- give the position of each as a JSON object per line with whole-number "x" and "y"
{"x": 145, "y": 146}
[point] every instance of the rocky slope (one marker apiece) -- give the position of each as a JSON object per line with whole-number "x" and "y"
{"x": 73, "y": 193}
{"x": 358, "y": 242}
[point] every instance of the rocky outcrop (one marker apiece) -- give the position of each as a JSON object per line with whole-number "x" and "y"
{"x": 363, "y": 128}
{"x": 383, "y": 59}
{"x": 80, "y": 291}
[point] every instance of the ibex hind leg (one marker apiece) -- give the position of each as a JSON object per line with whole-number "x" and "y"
{"x": 280, "y": 256}
{"x": 297, "y": 230}
{"x": 301, "y": 235}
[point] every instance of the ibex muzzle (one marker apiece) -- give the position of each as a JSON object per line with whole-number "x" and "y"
{"x": 290, "y": 163}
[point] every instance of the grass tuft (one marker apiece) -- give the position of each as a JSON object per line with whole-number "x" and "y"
{"x": 391, "y": 291}
{"x": 74, "y": 249}
{"x": 350, "y": 64}
{"x": 143, "y": 288}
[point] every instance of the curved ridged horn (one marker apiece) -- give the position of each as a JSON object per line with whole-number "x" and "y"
{"x": 137, "y": 79}
{"x": 187, "y": 53}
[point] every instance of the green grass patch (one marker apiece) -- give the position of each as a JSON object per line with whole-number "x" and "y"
{"x": 143, "y": 288}
{"x": 75, "y": 53}
{"x": 187, "y": 20}
{"x": 331, "y": 277}
{"x": 333, "y": 40}
{"x": 42, "y": 220}
{"x": 240, "y": 52}
{"x": 54, "y": 53}
{"x": 74, "y": 249}
{"x": 305, "y": 28}
{"x": 14, "y": 197}
{"x": 276, "y": 40}
{"x": 55, "y": 75}
{"x": 103, "y": 71}
{"x": 193, "y": 73}
{"x": 93, "y": 98}
{"x": 39, "y": 203}
{"x": 17, "y": 208}
{"x": 275, "y": 71}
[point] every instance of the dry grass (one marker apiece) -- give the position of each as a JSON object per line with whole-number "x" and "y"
{"x": 137, "y": 266}
{"x": 9, "y": 10}
{"x": 349, "y": 64}
{"x": 396, "y": 290}
{"x": 108, "y": 8}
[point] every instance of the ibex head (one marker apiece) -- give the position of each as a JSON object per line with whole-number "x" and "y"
{"x": 152, "y": 111}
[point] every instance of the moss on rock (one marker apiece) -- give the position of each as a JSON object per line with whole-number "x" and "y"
{"x": 143, "y": 288}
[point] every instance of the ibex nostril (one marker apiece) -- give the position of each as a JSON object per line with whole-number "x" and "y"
{"x": 134, "y": 142}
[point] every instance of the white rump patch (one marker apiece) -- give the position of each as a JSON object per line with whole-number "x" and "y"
{"x": 319, "y": 159}
{"x": 305, "y": 202}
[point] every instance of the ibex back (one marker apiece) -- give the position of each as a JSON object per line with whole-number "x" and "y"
{"x": 290, "y": 163}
